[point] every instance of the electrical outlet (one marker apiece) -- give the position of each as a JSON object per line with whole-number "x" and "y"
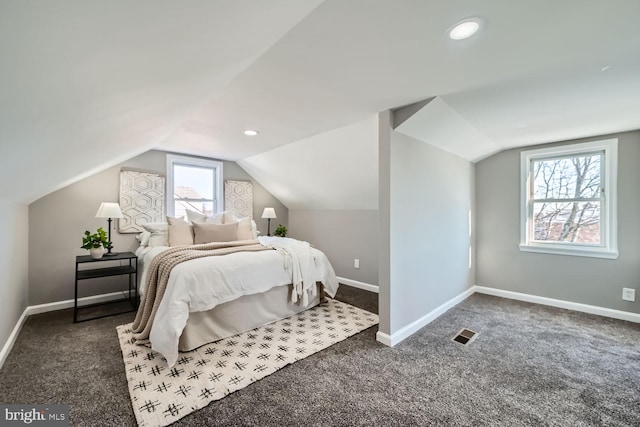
{"x": 356, "y": 263}
{"x": 628, "y": 294}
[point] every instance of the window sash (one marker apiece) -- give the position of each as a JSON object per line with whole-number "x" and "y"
{"x": 533, "y": 224}
{"x": 183, "y": 199}
{"x": 580, "y": 199}
{"x": 567, "y": 200}
{"x": 602, "y": 177}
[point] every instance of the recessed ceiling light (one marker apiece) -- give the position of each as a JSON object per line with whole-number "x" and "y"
{"x": 606, "y": 67}
{"x": 250, "y": 132}
{"x": 465, "y": 29}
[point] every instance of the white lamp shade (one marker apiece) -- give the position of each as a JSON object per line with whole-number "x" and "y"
{"x": 109, "y": 210}
{"x": 269, "y": 213}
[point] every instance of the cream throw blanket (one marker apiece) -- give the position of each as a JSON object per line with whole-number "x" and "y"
{"x": 161, "y": 266}
{"x": 299, "y": 262}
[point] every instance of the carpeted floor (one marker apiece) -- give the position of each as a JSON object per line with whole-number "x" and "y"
{"x": 530, "y": 365}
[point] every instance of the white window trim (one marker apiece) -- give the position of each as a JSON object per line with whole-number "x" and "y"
{"x": 173, "y": 159}
{"x": 609, "y": 229}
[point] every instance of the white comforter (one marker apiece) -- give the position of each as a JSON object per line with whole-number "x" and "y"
{"x": 203, "y": 283}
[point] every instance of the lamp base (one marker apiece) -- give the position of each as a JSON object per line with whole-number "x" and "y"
{"x": 110, "y": 254}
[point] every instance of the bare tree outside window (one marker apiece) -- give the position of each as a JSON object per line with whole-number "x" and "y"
{"x": 567, "y": 199}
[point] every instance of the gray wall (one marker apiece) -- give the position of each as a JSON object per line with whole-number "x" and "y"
{"x": 431, "y": 204}
{"x": 384, "y": 221}
{"x": 593, "y": 281}
{"x": 425, "y": 216}
{"x": 58, "y": 220}
{"x": 14, "y": 270}
{"x": 343, "y": 236}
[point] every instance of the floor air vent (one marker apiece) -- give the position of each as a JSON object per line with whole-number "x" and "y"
{"x": 465, "y": 336}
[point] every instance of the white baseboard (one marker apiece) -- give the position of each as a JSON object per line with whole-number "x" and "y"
{"x": 395, "y": 338}
{"x": 61, "y": 305}
{"x": 383, "y": 338}
{"x": 12, "y": 338}
{"x": 44, "y": 308}
{"x": 359, "y": 285}
{"x": 576, "y": 306}
{"x": 410, "y": 329}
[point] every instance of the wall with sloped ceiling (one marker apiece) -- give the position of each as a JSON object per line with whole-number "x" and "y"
{"x": 583, "y": 280}
{"x": 58, "y": 220}
{"x": 329, "y": 182}
{"x": 427, "y": 210}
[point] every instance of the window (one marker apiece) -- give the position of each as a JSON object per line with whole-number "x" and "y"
{"x": 194, "y": 184}
{"x": 568, "y": 199}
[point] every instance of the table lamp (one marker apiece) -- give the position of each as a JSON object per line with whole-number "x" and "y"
{"x": 269, "y": 213}
{"x": 109, "y": 210}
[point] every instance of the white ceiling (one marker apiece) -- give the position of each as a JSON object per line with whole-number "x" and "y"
{"x": 337, "y": 169}
{"x": 85, "y": 85}
{"x": 438, "y": 124}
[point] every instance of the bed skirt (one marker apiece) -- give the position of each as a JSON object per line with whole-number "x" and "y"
{"x": 241, "y": 315}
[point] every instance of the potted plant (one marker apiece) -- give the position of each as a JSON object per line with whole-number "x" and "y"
{"x": 95, "y": 243}
{"x": 281, "y": 231}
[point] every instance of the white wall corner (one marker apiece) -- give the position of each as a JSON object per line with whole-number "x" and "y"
{"x": 410, "y": 329}
{"x": 359, "y": 285}
{"x": 383, "y": 338}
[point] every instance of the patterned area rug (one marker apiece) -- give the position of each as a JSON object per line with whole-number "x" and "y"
{"x": 161, "y": 395}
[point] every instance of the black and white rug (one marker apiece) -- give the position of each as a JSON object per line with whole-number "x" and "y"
{"x": 161, "y": 395}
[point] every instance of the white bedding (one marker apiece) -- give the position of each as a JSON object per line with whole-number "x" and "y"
{"x": 203, "y": 283}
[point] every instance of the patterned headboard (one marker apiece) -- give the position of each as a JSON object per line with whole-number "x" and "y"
{"x": 238, "y": 198}
{"x": 141, "y": 200}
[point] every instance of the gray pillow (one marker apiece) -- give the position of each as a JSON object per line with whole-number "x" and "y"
{"x": 207, "y": 233}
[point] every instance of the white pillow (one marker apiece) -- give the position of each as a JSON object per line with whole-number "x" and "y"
{"x": 193, "y": 216}
{"x": 254, "y": 230}
{"x": 180, "y": 232}
{"x": 143, "y": 238}
{"x": 159, "y": 234}
{"x": 245, "y": 229}
{"x": 230, "y": 218}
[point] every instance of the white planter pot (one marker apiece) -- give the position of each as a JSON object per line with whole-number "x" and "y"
{"x": 96, "y": 253}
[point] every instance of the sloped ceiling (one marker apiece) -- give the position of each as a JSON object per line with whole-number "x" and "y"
{"x": 436, "y": 123}
{"x": 333, "y": 170}
{"x": 87, "y": 84}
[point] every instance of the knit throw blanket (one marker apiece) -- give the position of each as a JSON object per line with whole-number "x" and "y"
{"x": 161, "y": 266}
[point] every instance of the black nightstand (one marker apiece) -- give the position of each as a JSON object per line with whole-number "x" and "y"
{"x": 131, "y": 270}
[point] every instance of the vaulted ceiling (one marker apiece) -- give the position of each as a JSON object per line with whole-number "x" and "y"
{"x": 85, "y": 85}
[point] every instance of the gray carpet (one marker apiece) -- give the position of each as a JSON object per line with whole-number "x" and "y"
{"x": 530, "y": 365}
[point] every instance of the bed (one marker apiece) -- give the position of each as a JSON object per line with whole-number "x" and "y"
{"x": 214, "y": 297}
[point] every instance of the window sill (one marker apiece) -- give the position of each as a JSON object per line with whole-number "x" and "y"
{"x": 570, "y": 251}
